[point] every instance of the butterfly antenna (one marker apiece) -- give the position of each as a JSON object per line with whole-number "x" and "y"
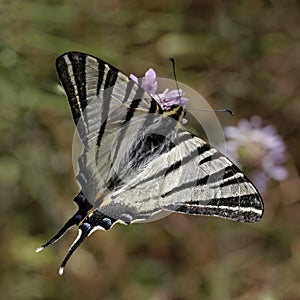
{"x": 172, "y": 60}
{"x": 229, "y": 111}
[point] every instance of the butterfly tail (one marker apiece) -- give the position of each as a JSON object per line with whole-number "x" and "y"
{"x": 83, "y": 207}
{"x": 83, "y": 232}
{"x": 96, "y": 221}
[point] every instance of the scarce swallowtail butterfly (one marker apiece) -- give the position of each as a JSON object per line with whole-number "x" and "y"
{"x": 138, "y": 161}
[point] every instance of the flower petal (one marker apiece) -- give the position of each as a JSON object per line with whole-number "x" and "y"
{"x": 149, "y": 82}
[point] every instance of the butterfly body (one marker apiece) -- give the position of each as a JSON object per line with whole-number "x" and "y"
{"x": 138, "y": 162}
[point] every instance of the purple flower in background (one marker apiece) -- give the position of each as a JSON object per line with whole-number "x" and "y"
{"x": 260, "y": 150}
{"x": 167, "y": 98}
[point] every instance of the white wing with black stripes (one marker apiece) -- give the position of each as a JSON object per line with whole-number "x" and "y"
{"x": 138, "y": 161}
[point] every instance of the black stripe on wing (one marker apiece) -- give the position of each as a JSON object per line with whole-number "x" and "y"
{"x": 110, "y": 81}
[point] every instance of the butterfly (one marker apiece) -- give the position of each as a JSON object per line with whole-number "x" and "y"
{"x": 138, "y": 161}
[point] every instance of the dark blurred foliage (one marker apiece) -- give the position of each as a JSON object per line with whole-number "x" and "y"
{"x": 239, "y": 54}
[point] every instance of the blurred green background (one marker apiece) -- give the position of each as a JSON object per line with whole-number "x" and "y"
{"x": 239, "y": 54}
